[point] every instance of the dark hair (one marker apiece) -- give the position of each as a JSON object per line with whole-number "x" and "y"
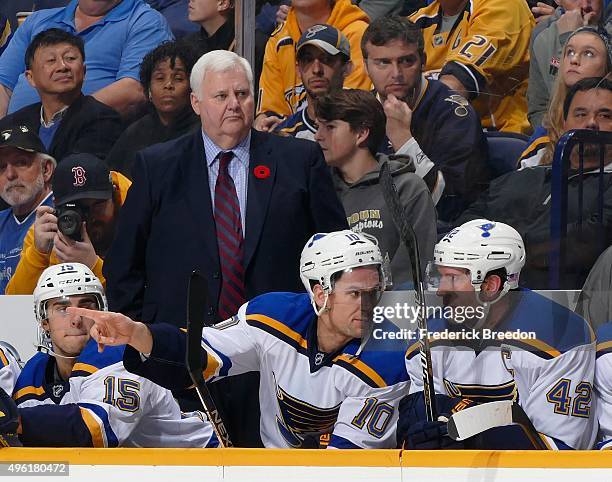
{"x": 357, "y": 107}
{"x": 385, "y": 29}
{"x": 581, "y": 86}
{"x": 170, "y": 50}
{"x": 52, "y": 36}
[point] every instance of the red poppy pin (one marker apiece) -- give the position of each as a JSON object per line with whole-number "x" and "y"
{"x": 261, "y": 171}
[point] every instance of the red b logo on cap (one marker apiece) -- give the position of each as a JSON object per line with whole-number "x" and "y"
{"x": 79, "y": 176}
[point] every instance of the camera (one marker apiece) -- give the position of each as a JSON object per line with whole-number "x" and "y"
{"x": 70, "y": 217}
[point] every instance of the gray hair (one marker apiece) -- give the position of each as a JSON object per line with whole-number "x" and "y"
{"x": 46, "y": 157}
{"x": 218, "y": 61}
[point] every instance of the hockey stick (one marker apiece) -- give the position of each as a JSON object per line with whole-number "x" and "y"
{"x": 474, "y": 420}
{"x": 197, "y": 300}
{"x": 409, "y": 239}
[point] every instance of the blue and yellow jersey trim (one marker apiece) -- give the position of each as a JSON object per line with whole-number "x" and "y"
{"x": 90, "y": 360}
{"x": 535, "y": 146}
{"x": 558, "y": 329}
{"x": 96, "y": 421}
{"x": 31, "y": 380}
{"x": 360, "y": 369}
{"x": 285, "y": 316}
{"x": 604, "y": 348}
{"x": 3, "y": 359}
{"x": 279, "y": 330}
{"x": 30, "y": 393}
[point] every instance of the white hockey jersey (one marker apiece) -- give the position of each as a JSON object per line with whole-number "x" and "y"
{"x": 102, "y": 405}
{"x": 550, "y": 376}
{"x": 9, "y": 371}
{"x": 603, "y": 385}
{"x": 305, "y": 394}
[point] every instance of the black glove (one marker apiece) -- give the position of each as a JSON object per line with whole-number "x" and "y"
{"x": 415, "y": 432}
{"x": 9, "y": 421}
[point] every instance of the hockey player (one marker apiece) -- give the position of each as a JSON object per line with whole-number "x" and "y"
{"x": 10, "y": 367}
{"x": 550, "y": 377}
{"x": 68, "y": 394}
{"x": 319, "y": 374}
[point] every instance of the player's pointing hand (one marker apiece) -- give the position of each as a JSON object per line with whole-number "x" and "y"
{"x": 116, "y": 329}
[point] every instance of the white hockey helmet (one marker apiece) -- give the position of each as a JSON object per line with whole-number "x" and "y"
{"x": 326, "y": 254}
{"x": 62, "y": 280}
{"x": 482, "y": 246}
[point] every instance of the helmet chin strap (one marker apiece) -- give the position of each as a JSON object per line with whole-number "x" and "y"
{"x": 323, "y": 309}
{"x": 46, "y": 349}
{"x": 487, "y": 304}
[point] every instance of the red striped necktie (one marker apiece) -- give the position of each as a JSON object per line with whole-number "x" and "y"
{"x": 229, "y": 240}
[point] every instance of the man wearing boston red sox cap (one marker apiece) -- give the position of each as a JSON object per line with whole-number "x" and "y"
{"x": 80, "y": 226}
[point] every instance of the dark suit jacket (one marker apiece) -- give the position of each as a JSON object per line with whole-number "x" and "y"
{"x": 166, "y": 227}
{"x": 88, "y": 126}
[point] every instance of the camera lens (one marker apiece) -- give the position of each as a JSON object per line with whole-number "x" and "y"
{"x": 69, "y": 220}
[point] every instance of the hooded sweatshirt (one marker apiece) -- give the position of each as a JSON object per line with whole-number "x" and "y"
{"x": 280, "y": 87}
{"x": 366, "y": 211}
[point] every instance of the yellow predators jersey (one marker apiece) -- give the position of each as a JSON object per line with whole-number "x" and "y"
{"x": 487, "y": 49}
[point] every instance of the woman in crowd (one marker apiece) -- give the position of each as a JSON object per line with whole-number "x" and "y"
{"x": 164, "y": 74}
{"x": 587, "y": 53}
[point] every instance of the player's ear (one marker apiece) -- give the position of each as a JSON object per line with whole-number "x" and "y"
{"x": 319, "y": 295}
{"x": 491, "y": 285}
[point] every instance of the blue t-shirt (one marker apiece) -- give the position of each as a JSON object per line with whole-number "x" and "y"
{"x": 12, "y": 234}
{"x": 114, "y": 46}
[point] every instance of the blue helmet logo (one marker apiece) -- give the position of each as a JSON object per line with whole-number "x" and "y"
{"x": 315, "y": 238}
{"x": 486, "y": 228}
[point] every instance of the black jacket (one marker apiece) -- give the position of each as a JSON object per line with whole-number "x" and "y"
{"x": 88, "y": 126}
{"x": 145, "y": 132}
{"x": 522, "y": 200}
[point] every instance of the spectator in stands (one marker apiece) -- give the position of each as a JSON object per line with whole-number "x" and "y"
{"x": 595, "y": 300}
{"x": 116, "y": 33}
{"x": 164, "y": 75}
{"x": 439, "y": 130}
{"x": 280, "y": 91}
{"x": 522, "y": 198}
{"x": 84, "y": 183}
{"x": 219, "y": 200}
{"x": 323, "y": 61}
{"x": 480, "y": 48}
{"x": 587, "y": 53}
{"x": 379, "y": 8}
{"x": 546, "y": 51}
{"x": 65, "y": 120}
{"x": 351, "y": 127}
{"x": 217, "y": 30}
{"x": 25, "y": 184}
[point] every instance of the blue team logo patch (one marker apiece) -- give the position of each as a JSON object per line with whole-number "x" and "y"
{"x": 486, "y": 228}
{"x": 316, "y": 237}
